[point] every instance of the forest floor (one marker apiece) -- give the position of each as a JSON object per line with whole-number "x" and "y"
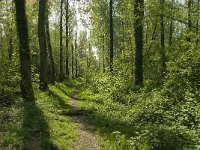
{"x": 55, "y": 121}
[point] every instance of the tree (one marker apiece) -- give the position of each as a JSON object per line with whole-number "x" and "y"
{"x": 61, "y": 76}
{"x": 171, "y": 28}
{"x": 197, "y": 24}
{"x": 24, "y": 51}
{"x": 162, "y": 39}
{"x": 76, "y": 57}
{"x": 43, "y": 45}
{"x": 111, "y": 35}
{"x": 138, "y": 28}
{"x": 49, "y": 47}
{"x": 189, "y": 20}
{"x": 67, "y": 39}
{"x": 72, "y": 61}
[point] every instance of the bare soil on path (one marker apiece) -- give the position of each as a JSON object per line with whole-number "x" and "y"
{"x": 87, "y": 139}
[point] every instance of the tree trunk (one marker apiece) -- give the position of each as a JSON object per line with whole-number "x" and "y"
{"x": 111, "y": 35}
{"x": 171, "y": 27}
{"x": 43, "y": 46}
{"x": 67, "y": 39}
{"x": 76, "y": 59}
{"x": 104, "y": 68}
{"x": 24, "y": 52}
{"x": 162, "y": 39}
{"x": 72, "y": 61}
{"x": 10, "y": 49}
{"x": 10, "y": 32}
{"x": 61, "y": 45}
{"x": 51, "y": 60}
{"x": 138, "y": 27}
{"x": 189, "y": 20}
{"x": 197, "y": 24}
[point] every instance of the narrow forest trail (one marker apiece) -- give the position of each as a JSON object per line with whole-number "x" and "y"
{"x": 87, "y": 139}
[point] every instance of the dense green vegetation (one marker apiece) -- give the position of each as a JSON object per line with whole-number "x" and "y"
{"x": 130, "y": 68}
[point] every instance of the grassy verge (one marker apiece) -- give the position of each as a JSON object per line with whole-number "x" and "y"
{"x": 107, "y": 119}
{"x": 40, "y": 125}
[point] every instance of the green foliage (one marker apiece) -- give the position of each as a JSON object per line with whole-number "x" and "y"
{"x": 143, "y": 119}
{"x": 183, "y": 80}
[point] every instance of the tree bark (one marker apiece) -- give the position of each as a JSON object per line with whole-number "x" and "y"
{"x": 43, "y": 45}
{"x": 76, "y": 59}
{"x": 10, "y": 32}
{"x": 171, "y": 27}
{"x": 72, "y": 61}
{"x": 138, "y": 28}
{"x": 104, "y": 67}
{"x": 61, "y": 45}
{"x": 24, "y": 52}
{"x": 67, "y": 39}
{"x": 49, "y": 47}
{"x": 189, "y": 20}
{"x": 111, "y": 35}
{"x": 197, "y": 24}
{"x": 162, "y": 39}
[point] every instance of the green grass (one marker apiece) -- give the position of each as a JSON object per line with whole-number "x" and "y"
{"x": 40, "y": 125}
{"x": 108, "y": 119}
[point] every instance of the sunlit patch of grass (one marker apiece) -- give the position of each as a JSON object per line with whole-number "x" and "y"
{"x": 40, "y": 125}
{"x": 107, "y": 117}
{"x": 62, "y": 128}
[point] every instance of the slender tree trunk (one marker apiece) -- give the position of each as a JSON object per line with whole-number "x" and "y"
{"x": 138, "y": 27}
{"x": 24, "y": 52}
{"x": 67, "y": 39}
{"x": 87, "y": 62}
{"x": 72, "y": 61}
{"x": 10, "y": 49}
{"x": 189, "y": 20}
{"x": 153, "y": 35}
{"x": 104, "y": 68}
{"x": 51, "y": 60}
{"x": 10, "y": 40}
{"x": 111, "y": 35}
{"x": 162, "y": 39}
{"x": 43, "y": 45}
{"x": 61, "y": 45}
{"x": 76, "y": 59}
{"x": 197, "y": 24}
{"x": 171, "y": 26}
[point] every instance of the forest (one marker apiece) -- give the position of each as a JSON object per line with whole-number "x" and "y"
{"x": 99, "y": 74}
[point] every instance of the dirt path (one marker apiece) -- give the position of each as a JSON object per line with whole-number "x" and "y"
{"x": 87, "y": 141}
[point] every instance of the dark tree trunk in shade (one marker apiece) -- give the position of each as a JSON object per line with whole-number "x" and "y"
{"x": 76, "y": 59}
{"x": 189, "y": 20}
{"x": 197, "y": 24}
{"x": 72, "y": 61}
{"x": 162, "y": 39}
{"x": 10, "y": 48}
{"x": 104, "y": 68}
{"x": 171, "y": 26}
{"x": 43, "y": 45}
{"x": 24, "y": 52}
{"x": 138, "y": 28}
{"x": 67, "y": 39}
{"x": 10, "y": 32}
{"x": 111, "y": 35}
{"x": 49, "y": 47}
{"x": 61, "y": 76}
